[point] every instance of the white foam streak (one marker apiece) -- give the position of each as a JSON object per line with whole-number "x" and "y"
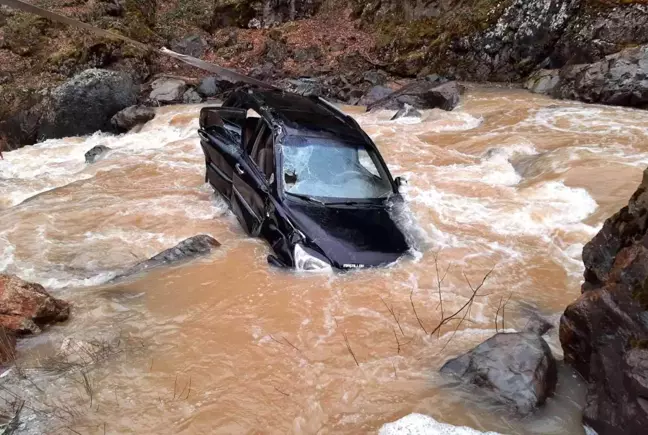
{"x": 419, "y": 424}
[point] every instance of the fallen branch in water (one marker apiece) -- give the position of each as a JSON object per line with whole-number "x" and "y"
{"x": 348, "y": 345}
{"x": 391, "y": 311}
{"x": 501, "y": 307}
{"x": 285, "y": 342}
{"x": 440, "y": 280}
{"x": 466, "y": 306}
{"x": 415, "y": 313}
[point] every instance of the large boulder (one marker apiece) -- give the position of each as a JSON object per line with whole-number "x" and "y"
{"x": 167, "y": 91}
{"x": 193, "y": 45}
{"x": 213, "y": 86}
{"x": 26, "y": 307}
{"x": 422, "y": 94}
{"x": 543, "y": 81}
{"x": 406, "y": 111}
{"x": 132, "y": 116}
{"x": 620, "y": 79}
{"x": 604, "y": 334}
{"x": 517, "y": 369}
{"x": 86, "y": 103}
{"x": 186, "y": 250}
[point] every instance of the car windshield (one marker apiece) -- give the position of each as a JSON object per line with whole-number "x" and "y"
{"x": 327, "y": 168}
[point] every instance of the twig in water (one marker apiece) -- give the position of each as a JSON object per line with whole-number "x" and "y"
{"x": 391, "y": 311}
{"x": 394, "y": 366}
{"x": 440, "y": 279}
{"x": 285, "y": 394}
{"x": 175, "y": 387}
{"x": 286, "y": 342}
{"x": 469, "y": 303}
{"x": 415, "y": 313}
{"x": 398, "y": 346}
{"x": 348, "y": 345}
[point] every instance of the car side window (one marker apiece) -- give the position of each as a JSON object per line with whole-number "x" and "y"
{"x": 263, "y": 152}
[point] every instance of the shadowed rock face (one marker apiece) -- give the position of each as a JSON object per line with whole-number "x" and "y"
{"x": 186, "y": 250}
{"x": 26, "y": 307}
{"x": 517, "y": 369}
{"x": 604, "y": 334}
{"x": 86, "y": 103}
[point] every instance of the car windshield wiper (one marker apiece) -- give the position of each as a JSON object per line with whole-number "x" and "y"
{"x": 306, "y": 198}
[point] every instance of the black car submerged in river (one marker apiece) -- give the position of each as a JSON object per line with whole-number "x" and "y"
{"x": 305, "y": 177}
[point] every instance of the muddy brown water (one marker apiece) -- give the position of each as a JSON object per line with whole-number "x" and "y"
{"x": 509, "y": 181}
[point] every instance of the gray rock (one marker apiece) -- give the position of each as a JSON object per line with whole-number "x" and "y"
{"x": 543, "y": 81}
{"x": 131, "y": 116}
{"x": 191, "y": 97}
{"x": 445, "y": 96}
{"x": 304, "y": 86}
{"x": 376, "y": 78}
{"x": 406, "y": 111}
{"x": 193, "y": 45}
{"x": 420, "y": 94}
{"x": 189, "y": 249}
{"x": 374, "y": 95}
{"x": 620, "y": 79}
{"x": 96, "y": 153}
{"x": 86, "y": 103}
{"x": 537, "y": 325}
{"x": 515, "y": 369}
{"x": 213, "y": 86}
{"x": 167, "y": 91}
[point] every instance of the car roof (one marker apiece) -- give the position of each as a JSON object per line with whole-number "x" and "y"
{"x": 299, "y": 115}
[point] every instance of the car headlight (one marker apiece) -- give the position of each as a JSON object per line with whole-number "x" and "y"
{"x": 307, "y": 262}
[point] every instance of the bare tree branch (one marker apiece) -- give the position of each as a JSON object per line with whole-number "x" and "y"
{"x": 415, "y": 313}
{"x": 391, "y": 311}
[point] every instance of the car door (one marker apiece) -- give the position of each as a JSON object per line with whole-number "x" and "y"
{"x": 250, "y": 186}
{"x": 221, "y": 130}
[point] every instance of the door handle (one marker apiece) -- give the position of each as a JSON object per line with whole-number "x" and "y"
{"x": 239, "y": 169}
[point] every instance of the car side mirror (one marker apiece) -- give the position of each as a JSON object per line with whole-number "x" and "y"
{"x": 400, "y": 182}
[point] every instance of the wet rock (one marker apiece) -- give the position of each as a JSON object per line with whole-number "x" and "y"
{"x": 213, "y": 86}
{"x": 604, "y": 334}
{"x": 537, "y": 325}
{"x": 96, "y": 153}
{"x": 406, "y": 111}
{"x": 375, "y": 94}
{"x": 191, "y": 97}
{"x": 420, "y": 95}
{"x": 445, "y": 96}
{"x": 376, "y": 77}
{"x": 26, "y": 307}
{"x": 130, "y": 117}
{"x": 188, "y": 249}
{"x": 543, "y": 81}
{"x": 193, "y": 45}
{"x": 516, "y": 369}
{"x": 86, "y": 103}
{"x": 620, "y": 79}
{"x": 167, "y": 91}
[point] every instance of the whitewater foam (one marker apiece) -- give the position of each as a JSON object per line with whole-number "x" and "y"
{"x": 419, "y": 424}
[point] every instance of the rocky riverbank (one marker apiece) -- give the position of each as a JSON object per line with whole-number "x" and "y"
{"x": 374, "y": 44}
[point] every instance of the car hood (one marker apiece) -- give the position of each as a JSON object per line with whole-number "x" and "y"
{"x": 351, "y": 237}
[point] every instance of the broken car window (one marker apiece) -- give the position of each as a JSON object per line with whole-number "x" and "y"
{"x": 329, "y": 168}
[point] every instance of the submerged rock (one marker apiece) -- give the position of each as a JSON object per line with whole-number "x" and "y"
{"x": 604, "y": 334}
{"x": 132, "y": 116}
{"x": 167, "y": 91}
{"x": 518, "y": 369}
{"x": 96, "y": 153}
{"x": 188, "y": 249}
{"x": 86, "y": 103}
{"x": 406, "y": 111}
{"x": 26, "y": 307}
